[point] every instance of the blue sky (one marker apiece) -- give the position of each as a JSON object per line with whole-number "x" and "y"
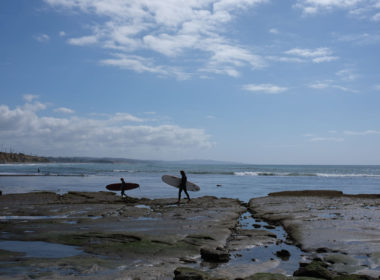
{"x": 255, "y": 81}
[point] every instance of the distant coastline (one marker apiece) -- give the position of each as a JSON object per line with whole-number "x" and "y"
{"x": 23, "y": 158}
{"x": 6, "y": 157}
{"x": 20, "y": 158}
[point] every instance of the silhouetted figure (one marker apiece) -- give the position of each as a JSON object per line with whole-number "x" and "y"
{"x": 123, "y": 187}
{"x": 182, "y": 187}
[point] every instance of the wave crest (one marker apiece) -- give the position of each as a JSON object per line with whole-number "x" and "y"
{"x": 292, "y": 174}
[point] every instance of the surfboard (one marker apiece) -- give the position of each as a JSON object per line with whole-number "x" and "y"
{"x": 117, "y": 186}
{"x": 175, "y": 182}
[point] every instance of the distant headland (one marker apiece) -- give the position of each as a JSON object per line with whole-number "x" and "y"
{"x": 13, "y": 157}
{"x": 20, "y": 158}
{"x": 23, "y": 158}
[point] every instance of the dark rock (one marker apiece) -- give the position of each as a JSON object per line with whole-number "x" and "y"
{"x": 257, "y": 226}
{"x": 215, "y": 255}
{"x": 354, "y": 277}
{"x": 186, "y": 273}
{"x": 266, "y": 276}
{"x": 187, "y": 260}
{"x": 315, "y": 269}
{"x": 269, "y": 227}
{"x": 328, "y": 193}
{"x": 283, "y": 255}
{"x": 322, "y": 250}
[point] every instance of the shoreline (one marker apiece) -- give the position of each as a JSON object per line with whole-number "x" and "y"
{"x": 151, "y": 238}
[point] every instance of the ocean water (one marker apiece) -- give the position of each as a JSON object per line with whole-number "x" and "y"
{"x": 240, "y": 181}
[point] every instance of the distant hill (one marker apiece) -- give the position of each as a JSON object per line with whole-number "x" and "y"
{"x": 203, "y": 161}
{"x": 20, "y": 158}
{"x": 94, "y": 160}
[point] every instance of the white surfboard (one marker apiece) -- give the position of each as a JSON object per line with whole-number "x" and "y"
{"x": 175, "y": 182}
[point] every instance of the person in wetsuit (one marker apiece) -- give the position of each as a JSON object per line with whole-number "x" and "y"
{"x": 182, "y": 187}
{"x": 123, "y": 187}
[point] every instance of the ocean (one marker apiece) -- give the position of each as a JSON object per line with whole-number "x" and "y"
{"x": 241, "y": 181}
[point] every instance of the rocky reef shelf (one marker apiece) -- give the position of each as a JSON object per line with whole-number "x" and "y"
{"x": 305, "y": 234}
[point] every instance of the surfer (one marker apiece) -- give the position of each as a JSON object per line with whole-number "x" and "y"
{"x": 182, "y": 187}
{"x": 123, "y": 187}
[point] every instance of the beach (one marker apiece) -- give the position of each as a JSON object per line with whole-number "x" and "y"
{"x": 102, "y": 236}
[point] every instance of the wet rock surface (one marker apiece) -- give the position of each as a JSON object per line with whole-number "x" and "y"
{"x": 343, "y": 230}
{"x": 106, "y": 237}
{"x": 215, "y": 255}
{"x": 138, "y": 238}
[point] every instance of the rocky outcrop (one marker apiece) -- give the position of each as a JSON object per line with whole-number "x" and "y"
{"x": 215, "y": 255}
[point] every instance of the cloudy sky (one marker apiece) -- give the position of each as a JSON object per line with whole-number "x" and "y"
{"x": 255, "y": 81}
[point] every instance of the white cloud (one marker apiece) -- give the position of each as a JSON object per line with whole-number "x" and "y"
{"x": 360, "y": 39}
{"x": 141, "y": 64}
{"x": 62, "y": 33}
{"x": 286, "y": 59}
{"x": 315, "y": 138}
{"x": 319, "y": 52}
{"x": 361, "y": 9}
{"x": 377, "y": 87}
{"x": 310, "y": 7}
{"x": 64, "y": 110}
{"x": 83, "y": 41}
{"x": 327, "y": 139}
{"x": 112, "y": 136}
{"x": 362, "y": 133}
{"x": 324, "y": 59}
{"x": 43, "y": 38}
{"x": 264, "y": 88}
{"x": 121, "y": 117}
{"x": 317, "y": 55}
{"x": 274, "y": 31}
{"x": 171, "y": 28}
{"x": 347, "y": 75}
{"x": 30, "y": 97}
{"x": 376, "y": 17}
{"x": 320, "y": 85}
{"x": 330, "y": 85}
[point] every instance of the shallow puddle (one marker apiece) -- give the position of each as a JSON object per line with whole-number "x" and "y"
{"x": 261, "y": 254}
{"x": 39, "y": 249}
{"x": 7, "y": 218}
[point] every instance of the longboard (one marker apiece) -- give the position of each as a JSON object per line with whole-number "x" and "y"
{"x": 175, "y": 182}
{"x": 117, "y": 186}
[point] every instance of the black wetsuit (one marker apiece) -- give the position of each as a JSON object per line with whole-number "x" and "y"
{"x": 123, "y": 189}
{"x": 182, "y": 187}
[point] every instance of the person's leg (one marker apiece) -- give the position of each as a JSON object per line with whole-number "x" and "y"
{"x": 187, "y": 194}
{"x": 179, "y": 195}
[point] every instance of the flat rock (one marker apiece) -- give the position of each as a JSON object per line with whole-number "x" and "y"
{"x": 132, "y": 238}
{"x": 328, "y": 222}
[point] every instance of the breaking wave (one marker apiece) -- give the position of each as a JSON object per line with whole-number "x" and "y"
{"x": 292, "y": 174}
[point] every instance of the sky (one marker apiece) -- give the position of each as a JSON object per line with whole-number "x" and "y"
{"x": 251, "y": 81}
